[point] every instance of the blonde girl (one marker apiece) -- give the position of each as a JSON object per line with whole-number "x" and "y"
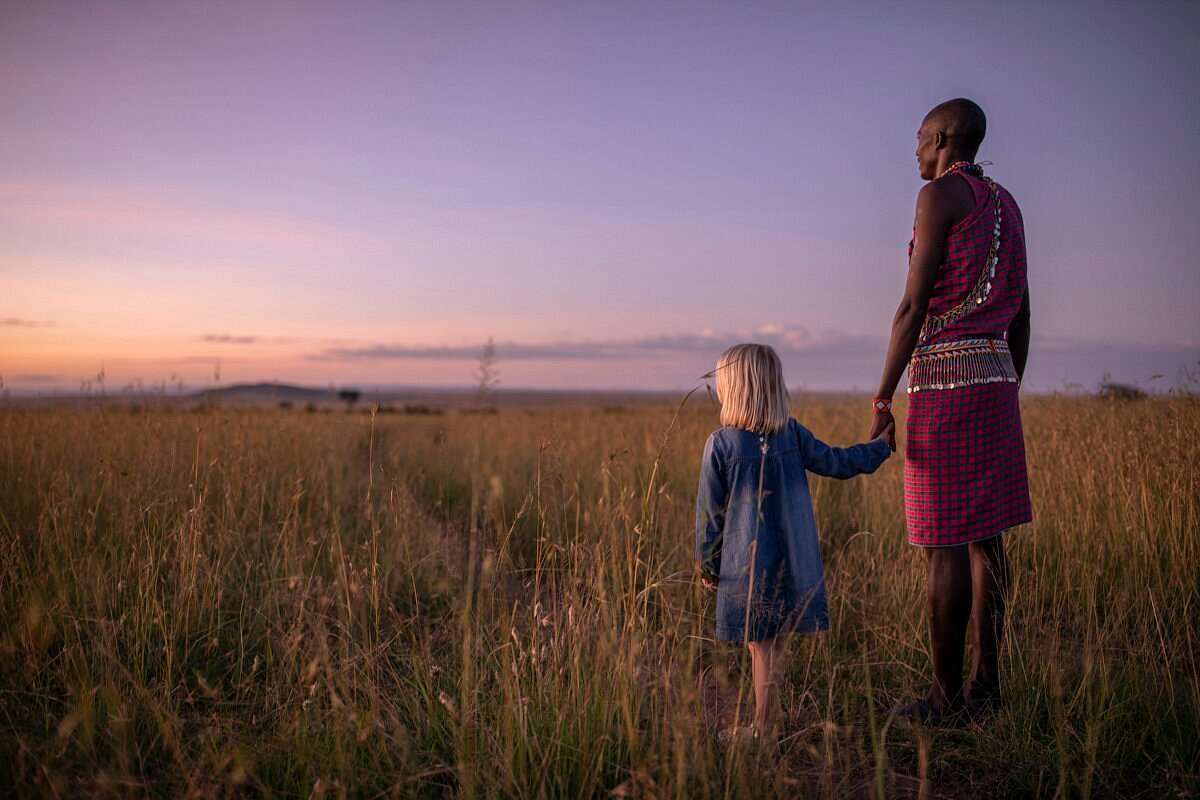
{"x": 756, "y": 537}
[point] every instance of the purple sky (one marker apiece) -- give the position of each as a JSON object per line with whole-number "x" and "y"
{"x": 363, "y": 192}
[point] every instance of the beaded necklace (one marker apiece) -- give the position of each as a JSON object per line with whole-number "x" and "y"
{"x": 961, "y": 166}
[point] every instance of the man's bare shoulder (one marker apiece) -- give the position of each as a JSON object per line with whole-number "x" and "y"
{"x": 945, "y": 189}
{"x": 949, "y": 197}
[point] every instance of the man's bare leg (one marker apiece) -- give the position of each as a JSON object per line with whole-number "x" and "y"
{"x": 949, "y": 594}
{"x": 989, "y": 592}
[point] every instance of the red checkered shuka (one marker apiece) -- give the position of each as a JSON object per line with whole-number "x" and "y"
{"x": 966, "y": 248}
{"x": 965, "y": 477}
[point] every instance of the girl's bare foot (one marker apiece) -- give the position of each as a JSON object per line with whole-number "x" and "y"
{"x": 766, "y": 733}
{"x": 742, "y": 733}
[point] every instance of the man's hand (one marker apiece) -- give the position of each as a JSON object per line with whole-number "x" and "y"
{"x": 884, "y": 427}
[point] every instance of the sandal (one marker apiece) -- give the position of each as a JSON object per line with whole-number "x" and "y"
{"x": 925, "y": 713}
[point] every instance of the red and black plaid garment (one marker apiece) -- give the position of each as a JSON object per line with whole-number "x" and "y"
{"x": 964, "y": 470}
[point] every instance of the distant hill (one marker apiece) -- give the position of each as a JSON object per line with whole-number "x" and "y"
{"x": 391, "y": 397}
{"x": 267, "y": 392}
{"x": 441, "y": 397}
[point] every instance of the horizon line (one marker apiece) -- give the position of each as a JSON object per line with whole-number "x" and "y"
{"x": 153, "y": 391}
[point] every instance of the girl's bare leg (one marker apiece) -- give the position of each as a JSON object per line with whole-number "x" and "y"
{"x": 767, "y": 659}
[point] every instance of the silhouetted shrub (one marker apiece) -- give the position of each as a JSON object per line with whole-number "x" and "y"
{"x": 419, "y": 408}
{"x": 1111, "y": 390}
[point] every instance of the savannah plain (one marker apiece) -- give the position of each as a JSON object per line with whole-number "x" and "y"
{"x": 221, "y": 600}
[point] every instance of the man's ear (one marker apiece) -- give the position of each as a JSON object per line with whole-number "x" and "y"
{"x": 939, "y": 140}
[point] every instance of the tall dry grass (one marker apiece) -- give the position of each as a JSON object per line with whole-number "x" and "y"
{"x": 261, "y": 602}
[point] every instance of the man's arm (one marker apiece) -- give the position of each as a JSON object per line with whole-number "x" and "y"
{"x": 1018, "y": 336}
{"x": 932, "y": 224}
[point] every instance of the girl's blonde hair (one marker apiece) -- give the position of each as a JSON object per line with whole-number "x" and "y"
{"x": 751, "y": 390}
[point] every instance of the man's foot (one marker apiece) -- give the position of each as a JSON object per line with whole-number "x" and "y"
{"x": 926, "y": 713}
{"x": 981, "y": 702}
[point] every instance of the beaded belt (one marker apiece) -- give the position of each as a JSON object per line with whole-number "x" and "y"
{"x": 967, "y": 362}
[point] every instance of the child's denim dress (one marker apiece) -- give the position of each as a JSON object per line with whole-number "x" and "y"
{"x": 788, "y": 589}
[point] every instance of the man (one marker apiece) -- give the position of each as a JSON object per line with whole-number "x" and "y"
{"x": 962, "y": 329}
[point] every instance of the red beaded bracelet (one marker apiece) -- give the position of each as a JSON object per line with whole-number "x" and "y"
{"x": 882, "y": 405}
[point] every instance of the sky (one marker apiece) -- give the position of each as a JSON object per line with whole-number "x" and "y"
{"x": 362, "y": 193}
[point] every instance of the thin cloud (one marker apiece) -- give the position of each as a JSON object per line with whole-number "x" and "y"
{"x": 37, "y": 377}
{"x": 225, "y": 338}
{"x": 1072, "y": 344}
{"x": 229, "y": 338}
{"x": 788, "y": 340}
{"x": 17, "y": 322}
{"x": 1067, "y": 363}
{"x": 212, "y": 360}
{"x": 824, "y": 359}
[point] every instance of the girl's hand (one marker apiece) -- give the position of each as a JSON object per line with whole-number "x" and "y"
{"x": 708, "y": 584}
{"x": 881, "y": 421}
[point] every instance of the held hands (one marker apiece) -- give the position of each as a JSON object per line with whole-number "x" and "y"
{"x": 883, "y": 426}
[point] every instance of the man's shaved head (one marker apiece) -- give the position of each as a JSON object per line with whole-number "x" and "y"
{"x": 960, "y": 120}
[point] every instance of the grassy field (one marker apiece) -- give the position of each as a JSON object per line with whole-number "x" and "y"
{"x": 266, "y": 602}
